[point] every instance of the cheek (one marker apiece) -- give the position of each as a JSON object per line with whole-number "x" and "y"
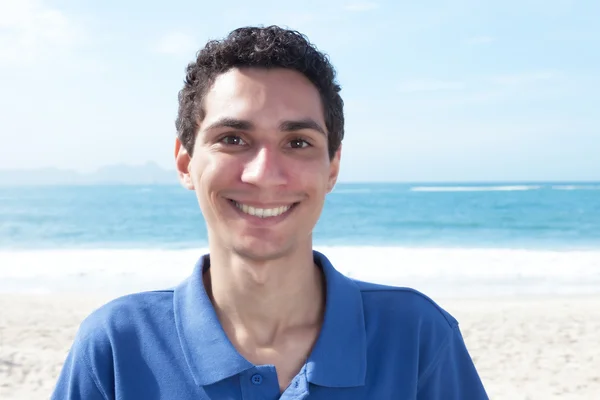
{"x": 212, "y": 172}
{"x": 309, "y": 177}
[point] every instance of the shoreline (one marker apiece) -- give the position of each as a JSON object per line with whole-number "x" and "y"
{"x": 440, "y": 272}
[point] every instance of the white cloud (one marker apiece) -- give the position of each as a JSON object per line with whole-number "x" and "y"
{"x": 523, "y": 79}
{"x": 176, "y": 43}
{"x": 361, "y": 6}
{"x": 478, "y": 40}
{"x": 541, "y": 85}
{"x": 30, "y": 30}
{"x": 486, "y": 86}
{"x": 414, "y": 86}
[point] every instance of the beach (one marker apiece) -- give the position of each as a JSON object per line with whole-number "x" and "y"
{"x": 524, "y": 348}
{"x": 518, "y": 266}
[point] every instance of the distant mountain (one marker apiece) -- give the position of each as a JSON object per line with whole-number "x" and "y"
{"x": 121, "y": 174}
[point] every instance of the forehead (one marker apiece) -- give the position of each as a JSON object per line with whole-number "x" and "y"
{"x": 262, "y": 96}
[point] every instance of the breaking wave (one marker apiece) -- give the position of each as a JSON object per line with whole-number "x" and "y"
{"x": 474, "y": 188}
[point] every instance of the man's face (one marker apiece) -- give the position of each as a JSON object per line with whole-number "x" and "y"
{"x": 260, "y": 165}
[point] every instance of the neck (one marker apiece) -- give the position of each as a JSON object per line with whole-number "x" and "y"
{"x": 261, "y": 301}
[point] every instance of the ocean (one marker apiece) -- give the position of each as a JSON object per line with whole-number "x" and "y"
{"x": 450, "y": 238}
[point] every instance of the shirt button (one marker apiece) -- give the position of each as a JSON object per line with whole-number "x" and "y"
{"x": 257, "y": 379}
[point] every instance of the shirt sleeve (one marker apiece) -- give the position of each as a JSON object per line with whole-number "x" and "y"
{"x": 78, "y": 379}
{"x": 452, "y": 375}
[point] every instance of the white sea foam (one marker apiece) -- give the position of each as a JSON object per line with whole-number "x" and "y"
{"x": 439, "y": 272}
{"x": 473, "y": 188}
{"x": 353, "y": 191}
{"x": 576, "y": 187}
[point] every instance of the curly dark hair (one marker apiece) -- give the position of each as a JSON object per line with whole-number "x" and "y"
{"x": 261, "y": 47}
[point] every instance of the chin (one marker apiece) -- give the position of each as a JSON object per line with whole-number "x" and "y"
{"x": 261, "y": 253}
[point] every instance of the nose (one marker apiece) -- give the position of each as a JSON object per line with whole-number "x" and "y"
{"x": 266, "y": 168}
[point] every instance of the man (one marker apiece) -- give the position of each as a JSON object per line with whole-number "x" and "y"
{"x": 263, "y": 316}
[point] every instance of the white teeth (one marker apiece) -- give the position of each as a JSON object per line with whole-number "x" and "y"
{"x": 262, "y": 212}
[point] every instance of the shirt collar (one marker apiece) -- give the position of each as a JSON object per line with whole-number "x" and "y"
{"x": 338, "y": 358}
{"x": 208, "y": 352}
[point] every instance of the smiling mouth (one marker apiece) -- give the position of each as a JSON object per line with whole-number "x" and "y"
{"x": 262, "y": 212}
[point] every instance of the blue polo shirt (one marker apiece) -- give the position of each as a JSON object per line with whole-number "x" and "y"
{"x": 376, "y": 342}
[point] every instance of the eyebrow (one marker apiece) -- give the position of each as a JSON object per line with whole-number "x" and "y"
{"x": 231, "y": 123}
{"x": 285, "y": 126}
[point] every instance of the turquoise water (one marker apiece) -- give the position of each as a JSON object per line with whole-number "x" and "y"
{"x": 543, "y": 216}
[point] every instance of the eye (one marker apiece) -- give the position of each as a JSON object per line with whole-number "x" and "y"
{"x": 232, "y": 140}
{"x": 299, "y": 143}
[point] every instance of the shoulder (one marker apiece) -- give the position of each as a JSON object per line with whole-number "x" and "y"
{"x": 406, "y": 320}
{"x": 408, "y": 323}
{"x": 126, "y": 309}
{"x": 123, "y": 315}
{"x": 106, "y": 338}
{"x": 404, "y": 303}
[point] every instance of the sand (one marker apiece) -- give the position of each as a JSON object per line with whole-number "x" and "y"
{"x": 527, "y": 348}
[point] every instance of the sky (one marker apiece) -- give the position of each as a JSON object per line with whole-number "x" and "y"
{"x": 463, "y": 90}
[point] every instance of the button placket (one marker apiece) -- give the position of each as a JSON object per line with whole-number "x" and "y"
{"x": 259, "y": 382}
{"x": 298, "y": 388}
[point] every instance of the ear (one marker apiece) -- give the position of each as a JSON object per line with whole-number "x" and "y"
{"x": 182, "y": 161}
{"x": 334, "y": 169}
